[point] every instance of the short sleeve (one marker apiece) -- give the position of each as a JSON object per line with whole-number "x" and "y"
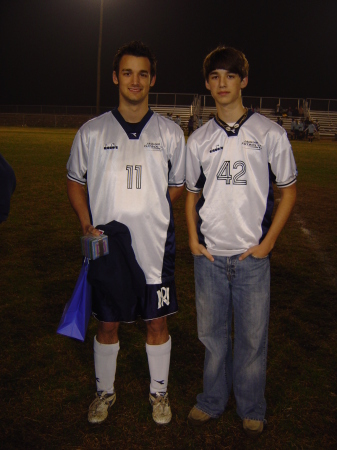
{"x": 193, "y": 168}
{"x": 78, "y": 159}
{"x": 177, "y": 160}
{"x": 282, "y": 162}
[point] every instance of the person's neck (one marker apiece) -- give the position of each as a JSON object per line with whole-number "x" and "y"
{"x": 230, "y": 113}
{"x": 133, "y": 113}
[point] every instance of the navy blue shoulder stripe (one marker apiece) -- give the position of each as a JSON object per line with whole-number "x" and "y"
{"x": 286, "y": 184}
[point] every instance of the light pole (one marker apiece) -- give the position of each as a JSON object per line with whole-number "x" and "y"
{"x": 99, "y": 60}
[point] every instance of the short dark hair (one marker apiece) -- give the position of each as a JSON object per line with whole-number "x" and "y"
{"x": 226, "y": 58}
{"x": 135, "y": 48}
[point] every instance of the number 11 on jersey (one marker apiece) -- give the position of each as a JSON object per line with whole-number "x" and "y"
{"x": 129, "y": 180}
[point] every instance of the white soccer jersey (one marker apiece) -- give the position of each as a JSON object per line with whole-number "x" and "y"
{"x": 128, "y": 169}
{"x": 235, "y": 172}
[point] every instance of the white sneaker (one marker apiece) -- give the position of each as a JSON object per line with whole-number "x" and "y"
{"x": 161, "y": 410}
{"x": 98, "y": 410}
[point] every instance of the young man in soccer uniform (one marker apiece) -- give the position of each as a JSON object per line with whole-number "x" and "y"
{"x": 133, "y": 163}
{"x": 231, "y": 163}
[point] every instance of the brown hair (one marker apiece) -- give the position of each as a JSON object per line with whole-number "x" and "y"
{"x": 135, "y": 48}
{"x": 226, "y": 58}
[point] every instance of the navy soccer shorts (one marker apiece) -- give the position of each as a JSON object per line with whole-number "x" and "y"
{"x": 160, "y": 300}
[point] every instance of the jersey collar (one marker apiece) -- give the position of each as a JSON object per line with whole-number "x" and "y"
{"x": 234, "y": 131}
{"x": 133, "y": 130}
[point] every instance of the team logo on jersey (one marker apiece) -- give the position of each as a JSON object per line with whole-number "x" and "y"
{"x": 163, "y": 296}
{"x": 252, "y": 144}
{"x": 110, "y": 147}
{"x": 153, "y": 145}
{"x": 216, "y": 149}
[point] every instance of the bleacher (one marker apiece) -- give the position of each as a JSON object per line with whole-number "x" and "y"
{"x": 174, "y": 104}
{"x": 270, "y": 114}
{"x": 327, "y": 121}
{"x": 207, "y": 111}
{"x": 183, "y": 111}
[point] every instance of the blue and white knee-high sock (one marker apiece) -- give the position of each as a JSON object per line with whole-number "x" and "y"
{"x": 158, "y": 357}
{"x": 105, "y": 357}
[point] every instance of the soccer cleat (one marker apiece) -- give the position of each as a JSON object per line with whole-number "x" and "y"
{"x": 197, "y": 417}
{"x": 161, "y": 410}
{"x": 252, "y": 428}
{"x": 98, "y": 410}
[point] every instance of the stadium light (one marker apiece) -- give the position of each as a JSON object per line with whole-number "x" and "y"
{"x": 99, "y": 60}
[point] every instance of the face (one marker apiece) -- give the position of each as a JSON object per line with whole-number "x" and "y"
{"x": 134, "y": 79}
{"x": 225, "y": 87}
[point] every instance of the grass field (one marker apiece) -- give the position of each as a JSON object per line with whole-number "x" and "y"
{"x": 47, "y": 381}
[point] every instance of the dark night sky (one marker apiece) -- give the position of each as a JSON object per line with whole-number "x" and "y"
{"x": 48, "y": 48}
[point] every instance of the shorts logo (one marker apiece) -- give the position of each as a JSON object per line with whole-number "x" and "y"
{"x": 163, "y": 296}
{"x": 153, "y": 145}
{"x": 252, "y": 144}
{"x": 216, "y": 149}
{"x": 110, "y": 147}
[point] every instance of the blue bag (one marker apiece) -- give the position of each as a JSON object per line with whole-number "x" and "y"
{"x": 75, "y": 318}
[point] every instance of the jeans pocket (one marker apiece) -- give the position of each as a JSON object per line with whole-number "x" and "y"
{"x": 255, "y": 257}
{"x": 197, "y": 256}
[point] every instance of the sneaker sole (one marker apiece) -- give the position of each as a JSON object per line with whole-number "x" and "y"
{"x": 162, "y": 423}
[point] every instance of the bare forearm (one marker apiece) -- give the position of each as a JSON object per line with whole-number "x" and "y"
{"x": 79, "y": 202}
{"x": 191, "y": 216}
{"x": 175, "y": 193}
{"x": 287, "y": 202}
{"x": 192, "y": 220}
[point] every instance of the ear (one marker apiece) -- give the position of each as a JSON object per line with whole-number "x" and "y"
{"x": 207, "y": 85}
{"x": 114, "y": 77}
{"x": 244, "y": 82}
{"x": 153, "y": 80}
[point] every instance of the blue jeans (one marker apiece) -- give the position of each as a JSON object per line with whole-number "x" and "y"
{"x": 223, "y": 286}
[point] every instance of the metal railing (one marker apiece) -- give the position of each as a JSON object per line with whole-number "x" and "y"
{"x": 50, "y": 109}
{"x": 169, "y": 99}
{"x": 261, "y": 102}
{"x": 155, "y": 99}
{"x": 183, "y": 105}
{"x": 321, "y": 104}
{"x": 177, "y": 99}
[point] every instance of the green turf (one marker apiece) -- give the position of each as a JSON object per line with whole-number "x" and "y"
{"x": 47, "y": 380}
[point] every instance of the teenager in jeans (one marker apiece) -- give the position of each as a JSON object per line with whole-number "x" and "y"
{"x": 232, "y": 162}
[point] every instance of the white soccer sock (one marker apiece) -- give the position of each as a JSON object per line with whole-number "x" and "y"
{"x": 105, "y": 357}
{"x": 158, "y": 357}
